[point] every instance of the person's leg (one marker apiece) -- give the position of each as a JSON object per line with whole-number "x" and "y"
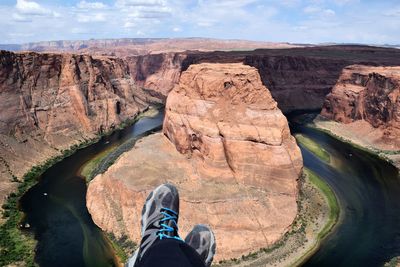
{"x": 161, "y": 244}
{"x": 171, "y": 253}
{"x": 202, "y": 239}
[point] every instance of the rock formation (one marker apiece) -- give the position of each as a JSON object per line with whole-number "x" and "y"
{"x": 157, "y": 74}
{"x": 367, "y": 101}
{"x": 52, "y": 101}
{"x": 297, "y": 82}
{"x": 223, "y": 114}
{"x": 141, "y": 46}
{"x": 300, "y": 78}
{"x": 94, "y": 88}
{"x": 228, "y": 149}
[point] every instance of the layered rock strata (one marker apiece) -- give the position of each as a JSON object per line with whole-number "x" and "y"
{"x": 50, "y": 102}
{"x": 366, "y": 102}
{"x": 228, "y": 149}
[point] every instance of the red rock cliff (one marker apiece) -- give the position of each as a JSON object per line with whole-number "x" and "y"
{"x": 223, "y": 115}
{"x": 366, "y": 104}
{"x": 52, "y": 101}
{"x": 228, "y": 149}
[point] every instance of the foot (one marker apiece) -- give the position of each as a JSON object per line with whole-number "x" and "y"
{"x": 159, "y": 219}
{"x": 202, "y": 239}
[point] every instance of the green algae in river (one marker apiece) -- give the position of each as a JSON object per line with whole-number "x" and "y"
{"x": 313, "y": 147}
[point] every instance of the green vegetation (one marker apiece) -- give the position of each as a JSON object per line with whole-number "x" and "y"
{"x": 382, "y": 154}
{"x": 313, "y": 147}
{"x": 102, "y": 161}
{"x": 149, "y": 112}
{"x": 393, "y": 262}
{"x": 16, "y": 245}
{"x": 89, "y": 167}
{"x": 331, "y": 200}
{"x": 122, "y": 246}
{"x": 19, "y": 246}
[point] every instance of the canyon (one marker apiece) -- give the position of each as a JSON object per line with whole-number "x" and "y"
{"x": 53, "y": 100}
{"x": 228, "y": 149}
{"x": 142, "y": 46}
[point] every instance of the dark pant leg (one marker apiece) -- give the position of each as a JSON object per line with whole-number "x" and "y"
{"x": 171, "y": 253}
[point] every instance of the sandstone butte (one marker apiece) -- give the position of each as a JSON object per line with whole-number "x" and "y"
{"x": 366, "y": 104}
{"x": 228, "y": 149}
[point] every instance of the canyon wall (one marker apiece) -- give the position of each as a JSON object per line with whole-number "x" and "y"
{"x": 301, "y": 78}
{"x": 297, "y": 82}
{"x": 52, "y": 101}
{"x": 157, "y": 74}
{"x": 366, "y": 102}
{"x": 228, "y": 149}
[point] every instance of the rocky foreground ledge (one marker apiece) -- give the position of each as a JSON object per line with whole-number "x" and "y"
{"x": 227, "y": 147}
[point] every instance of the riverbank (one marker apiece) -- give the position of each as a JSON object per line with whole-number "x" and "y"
{"x": 101, "y": 161}
{"x": 17, "y": 243}
{"x": 313, "y": 147}
{"x": 395, "y": 262}
{"x": 318, "y": 214}
{"x": 357, "y": 139}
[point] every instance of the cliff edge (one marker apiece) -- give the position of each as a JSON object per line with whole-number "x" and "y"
{"x": 228, "y": 149}
{"x": 364, "y": 107}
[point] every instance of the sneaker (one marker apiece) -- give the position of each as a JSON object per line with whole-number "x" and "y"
{"x": 159, "y": 219}
{"x": 202, "y": 239}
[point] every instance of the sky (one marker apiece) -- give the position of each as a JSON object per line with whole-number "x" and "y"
{"x": 295, "y": 21}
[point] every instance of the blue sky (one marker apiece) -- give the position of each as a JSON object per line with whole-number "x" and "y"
{"x": 300, "y": 21}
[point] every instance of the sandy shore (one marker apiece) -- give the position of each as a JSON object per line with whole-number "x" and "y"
{"x": 361, "y": 135}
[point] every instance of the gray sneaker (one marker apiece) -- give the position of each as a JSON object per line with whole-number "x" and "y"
{"x": 202, "y": 239}
{"x": 159, "y": 219}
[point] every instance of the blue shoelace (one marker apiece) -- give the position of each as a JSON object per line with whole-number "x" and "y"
{"x": 169, "y": 215}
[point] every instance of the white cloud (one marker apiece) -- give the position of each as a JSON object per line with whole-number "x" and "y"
{"x": 143, "y": 3}
{"x": 328, "y": 12}
{"x": 318, "y": 11}
{"x": 272, "y": 20}
{"x": 129, "y": 24}
{"x": 311, "y": 9}
{"x": 227, "y": 3}
{"x": 149, "y": 14}
{"x": 290, "y": 3}
{"x": 345, "y": 2}
{"x": 395, "y": 12}
{"x": 31, "y": 8}
{"x": 20, "y": 18}
{"x": 91, "y": 5}
{"x": 79, "y": 30}
{"x": 98, "y": 17}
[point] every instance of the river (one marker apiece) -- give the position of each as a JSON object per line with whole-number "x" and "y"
{"x": 56, "y": 210}
{"x": 368, "y": 190}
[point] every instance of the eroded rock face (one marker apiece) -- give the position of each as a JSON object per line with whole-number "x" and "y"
{"x": 51, "y": 101}
{"x": 369, "y": 94}
{"x": 228, "y": 149}
{"x": 157, "y": 74}
{"x": 224, "y": 116}
{"x": 298, "y": 82}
